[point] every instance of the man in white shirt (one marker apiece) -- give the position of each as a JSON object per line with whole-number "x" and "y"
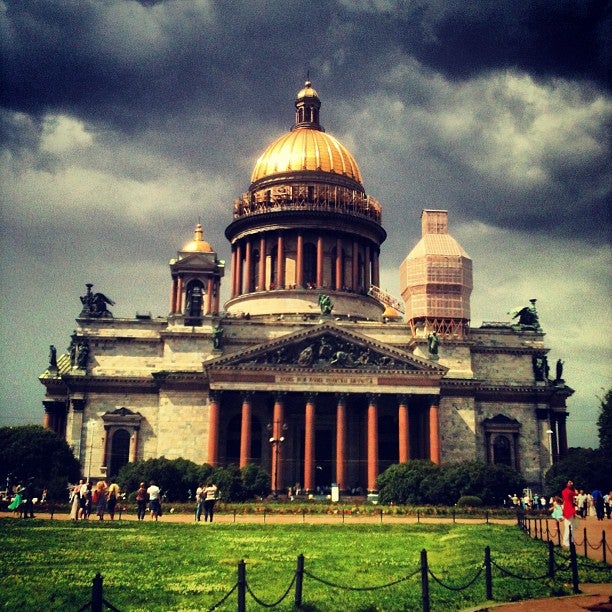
{"x": 154, "y": 505}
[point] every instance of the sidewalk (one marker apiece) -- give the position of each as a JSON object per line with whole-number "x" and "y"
{"x": 594, "y": 597}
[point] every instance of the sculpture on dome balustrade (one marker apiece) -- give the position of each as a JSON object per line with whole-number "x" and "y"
{"x": 527, "y": 317}
{"x": 94, "y": 305}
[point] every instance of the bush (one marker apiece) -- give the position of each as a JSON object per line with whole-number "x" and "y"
{"x": 422, "y": 482}
{"x": 469, "y": 501}
{"x": 401, "y": 483}
{"x": 177, "y": 478}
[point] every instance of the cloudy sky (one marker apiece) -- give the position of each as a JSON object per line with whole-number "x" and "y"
{"x": 123, "y": 122}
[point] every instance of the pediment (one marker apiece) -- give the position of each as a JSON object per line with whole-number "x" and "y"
{"x": 196, "y": 260}
{"x": 326, "y": 347}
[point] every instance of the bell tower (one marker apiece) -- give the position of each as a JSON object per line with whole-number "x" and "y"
{"x": 436, "y": 281}
{"x": 196, "y": 281}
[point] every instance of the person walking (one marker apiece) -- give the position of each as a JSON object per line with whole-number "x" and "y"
{"x": 141, "y": 501}
{"x": 154, "y": 493}
{"x": 569, "y": 513}
{"x": 598, "y": 503}
{"x": 210, "y": 497}
{"x": 112, "y": 498}
{"x": 99, "y": 499}
{"x": 199, "y": 502}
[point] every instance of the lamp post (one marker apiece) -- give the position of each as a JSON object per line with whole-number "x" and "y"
{"x": 91, "y": 425}
{"x": 550, "y": 446}
{"x": 275, "y": 441}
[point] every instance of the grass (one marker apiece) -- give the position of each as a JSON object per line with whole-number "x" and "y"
{"x": 185, "y": 566}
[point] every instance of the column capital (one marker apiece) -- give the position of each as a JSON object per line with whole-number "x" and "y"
{"x": 311, "y": 396}
{"x": 215, "y": 396}
{"x": 402, "y": 398}
{"x": 373, "y": 398}
{"x": 247, "y": 396}
{"x": 341, "y": 396}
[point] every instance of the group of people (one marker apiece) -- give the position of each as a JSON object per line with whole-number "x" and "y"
{"x": 85, "y": 498}
{"x": 573, "y": 504}
{"x": 206, "y": 496}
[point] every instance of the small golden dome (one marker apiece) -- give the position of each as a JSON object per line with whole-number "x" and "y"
{"x": 308, "y": 91}
{"x": 305, "y": 149}
{"x": 197, "y": 245}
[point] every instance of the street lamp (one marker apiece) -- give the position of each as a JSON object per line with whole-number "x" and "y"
{"x": 91, "y": 425}
{"x": 275, "y": 442}
{"x": 550, "y": 446}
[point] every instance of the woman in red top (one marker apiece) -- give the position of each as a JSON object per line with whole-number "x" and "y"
{"x": 569, "y": 512}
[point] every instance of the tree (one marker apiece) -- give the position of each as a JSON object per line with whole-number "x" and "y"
{"x": 31, "y": 452}
{"x": 587, "y": 468}
{"x": 401, "y": 483}
{"x": 604, "y": 425}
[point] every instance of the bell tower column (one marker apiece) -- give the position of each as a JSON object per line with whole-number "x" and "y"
{"x": 320, "y": 261}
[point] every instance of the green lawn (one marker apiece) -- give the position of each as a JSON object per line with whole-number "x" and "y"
{"x": 49, "y": 565}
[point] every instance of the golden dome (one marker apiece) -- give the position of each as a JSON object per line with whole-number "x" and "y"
{"x": 306, "y": 149}
{"x": 197, "y": 245}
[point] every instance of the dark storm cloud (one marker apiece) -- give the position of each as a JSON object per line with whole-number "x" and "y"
{"x": 544, "y": 37}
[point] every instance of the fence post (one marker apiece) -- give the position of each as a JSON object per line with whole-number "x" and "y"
{"x": 343, "y": 516}
{"x": 487, "y": 517}
{"x": 488, "y": 574}
{"x": 424, "y": 581}
{"x": 551, "y": 560}
{"x": 234, "y": 515}
{"x": 541, "y": 529}
{"x": 574, "y": 566}
{"x": 418, "y": 516}
{"x": 381, "y": 513}
{"x": 603, "y": 545}
{"x": 585, "y": 544}
{"x": 547, "y": 531}
{"x": 559, "y": 533}
{"x": 96, "y": 594}
{"x": 454, "y": 521}
{"x": 241, "y": 586}
{"x": 299, "y": 580}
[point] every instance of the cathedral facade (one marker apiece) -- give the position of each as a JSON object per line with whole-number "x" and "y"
{"x": 309, "y": 369}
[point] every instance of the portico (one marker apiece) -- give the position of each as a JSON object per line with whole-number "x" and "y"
{"x": 296, "y": 418}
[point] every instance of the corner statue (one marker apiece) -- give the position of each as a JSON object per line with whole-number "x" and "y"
{"x": 326, "y": 304}
{"x": 217, "y": 335}
{"x": 94, "y": 305}
{"x": 527, "y": 317}
{"x": 433, "y": 343}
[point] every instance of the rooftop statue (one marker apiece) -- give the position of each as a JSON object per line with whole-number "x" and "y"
{"x": 326, "y": 304}
{"x": 217, "y": 334}
{"x": 433, "y": 343}
{"x": 527, "y": 316}
{"x": 94, "y": 305}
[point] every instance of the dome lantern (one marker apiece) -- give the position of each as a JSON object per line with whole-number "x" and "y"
{"x": 307, "y": 105}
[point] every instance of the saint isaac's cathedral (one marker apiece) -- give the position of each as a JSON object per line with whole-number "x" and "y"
{"x": 309, "y": 369}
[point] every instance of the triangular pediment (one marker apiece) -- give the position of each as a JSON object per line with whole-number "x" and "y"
{"x": 196, "y": 261}
{"x": 326, "y": 347}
